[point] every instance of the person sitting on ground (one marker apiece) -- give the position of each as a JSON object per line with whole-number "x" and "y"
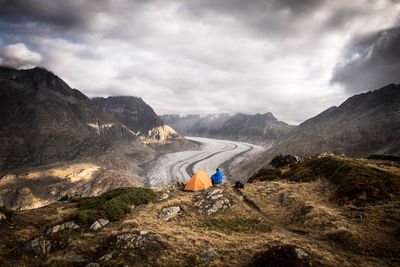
{"x": 216, "y": 178}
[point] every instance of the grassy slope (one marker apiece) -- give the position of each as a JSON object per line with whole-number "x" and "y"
{"x": 333, "y": 234}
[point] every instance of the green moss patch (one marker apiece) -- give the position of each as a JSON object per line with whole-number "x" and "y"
{"x": 353, "y": 180}
{"x": 114, "y": 204}
{"x": 237, "y": 225}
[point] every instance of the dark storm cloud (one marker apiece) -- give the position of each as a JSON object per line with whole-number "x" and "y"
{"x": 371, "y": 62}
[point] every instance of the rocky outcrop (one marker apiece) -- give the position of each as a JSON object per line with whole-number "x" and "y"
{"x": 37, "y": 246}
{"x": 262, "y": 129}
{"x": 70, "y": 225}
{"x": 212, "y": 201}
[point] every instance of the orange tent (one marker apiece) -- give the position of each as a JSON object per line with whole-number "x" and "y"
{"x": 199, "y": 181}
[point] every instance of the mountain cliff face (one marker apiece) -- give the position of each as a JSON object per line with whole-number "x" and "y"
{"x": 364, "y": 124}
{"x": 54, "y": 140}
{"x": 262, "y": 129}
{"x": 139, "y": 117}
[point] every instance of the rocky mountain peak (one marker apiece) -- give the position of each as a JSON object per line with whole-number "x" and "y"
{"x": 39, "y": 79}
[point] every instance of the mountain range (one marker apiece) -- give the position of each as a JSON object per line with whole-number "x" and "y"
{"x": 57, "y": 141}
{"x": 263, "y": 129}
{"x": 365, "y": 124}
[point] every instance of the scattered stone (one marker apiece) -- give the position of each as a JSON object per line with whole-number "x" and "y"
{"x": 164, "y": 196}
{"x": 107, "y": 257}
{"x": 53, "y": 229}
{"x": 209, "y": 256}
{"x": 2, "y": 216}
{"x": 285, "y": 199}
{"x": 99, "y": 224}
{"x": 2, "y": 246}
{"x": 92, "y": 264}
{"x": 38, "y": 247}
{"x": 70, "y": 225}
{"x": 325, "y": 155}
{"x": 170, "y": 212}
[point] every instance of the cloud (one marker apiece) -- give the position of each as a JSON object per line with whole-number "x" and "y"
{"x": 372, "y": 62}
{"x": 200, "y": 56}
{"x": 19, "y": 56}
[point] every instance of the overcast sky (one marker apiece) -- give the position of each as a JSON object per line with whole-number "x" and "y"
{"x": 289, "y": 57}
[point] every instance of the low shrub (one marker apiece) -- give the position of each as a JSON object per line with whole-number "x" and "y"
{"x": 237, "y": 225}
{"x": 113, "y": 204}
{"x": 6, "y": 211}
{"x": 266, "y": 175}
{"x": 278, "y": 161}
{"x": 394, "y": 158}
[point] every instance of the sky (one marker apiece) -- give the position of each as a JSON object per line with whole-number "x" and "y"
{"x": 289, "y": 57}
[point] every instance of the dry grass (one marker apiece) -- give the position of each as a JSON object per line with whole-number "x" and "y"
{"x": 331, "y": 234}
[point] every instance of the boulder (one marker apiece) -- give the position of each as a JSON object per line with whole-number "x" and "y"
{"x": 2, "y": 216}
{"x": 1, "y": 201}
{"x": 92, "y": 264}
{"x": 37, "y": 246}
{"x": 170, "y": 212}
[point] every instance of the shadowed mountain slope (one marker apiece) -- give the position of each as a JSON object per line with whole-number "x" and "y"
{"x": 364, "y": 124}
{"x": 55, "y": 140}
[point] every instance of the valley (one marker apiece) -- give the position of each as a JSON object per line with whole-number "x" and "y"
{"x": 213, "y": 153}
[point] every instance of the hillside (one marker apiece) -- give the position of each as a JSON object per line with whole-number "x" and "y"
{"x": 139, "y": 117}
{"x": 262, "y": 129}
{"x": 363, "y": 125}
{"x": 55, "y": 140}
{"x": 275, "y": 222}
